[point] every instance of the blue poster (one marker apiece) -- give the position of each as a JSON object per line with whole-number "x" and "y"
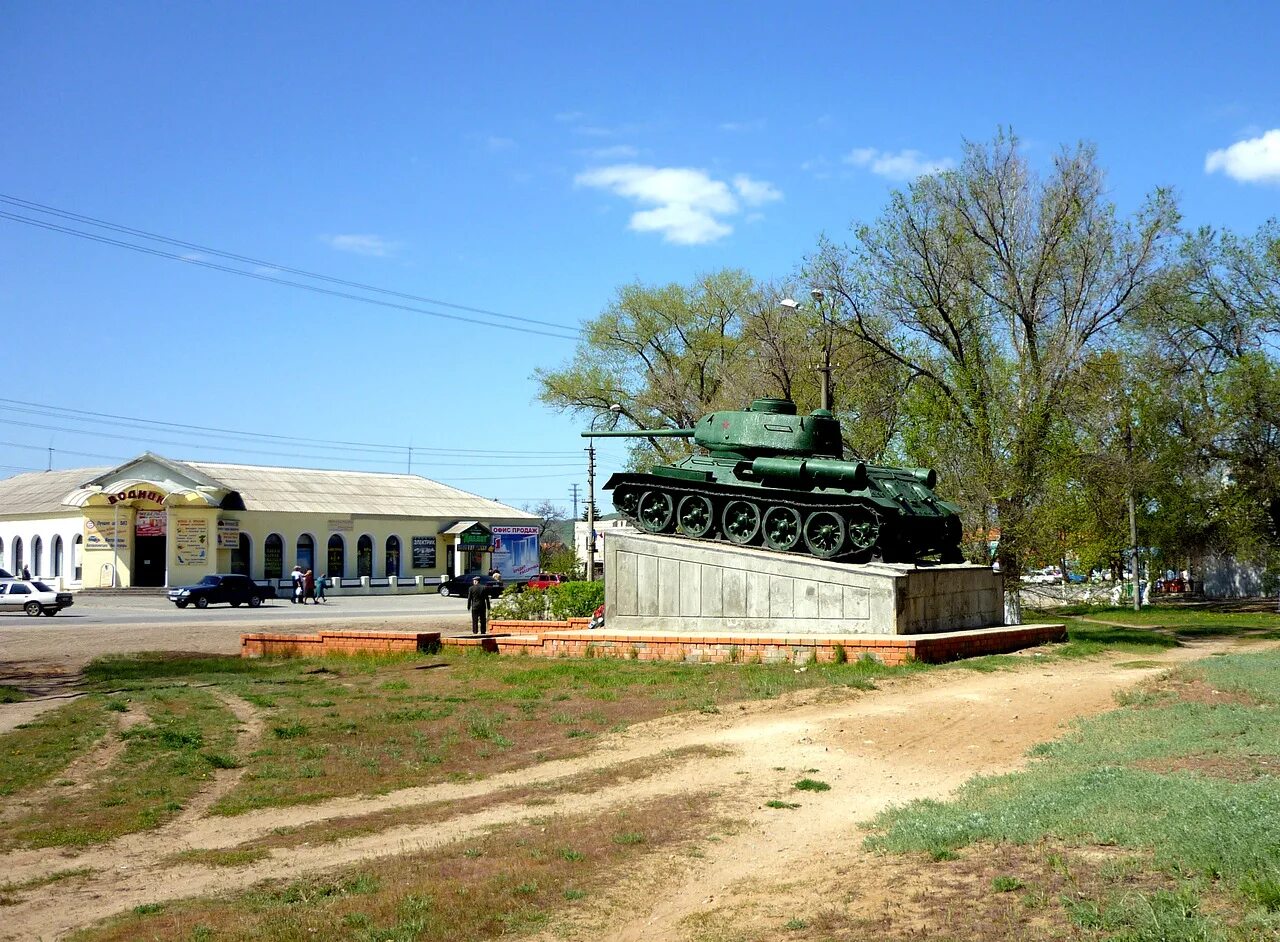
{"x": 515, "y": 552}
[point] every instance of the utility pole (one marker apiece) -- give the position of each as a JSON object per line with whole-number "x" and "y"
{"x": 591, "y": 511}
{"x": 50, "y": 468}
{"x": 409, "y": 469}
{"x": 573, "y": 489}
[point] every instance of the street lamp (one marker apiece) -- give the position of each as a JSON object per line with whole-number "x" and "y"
{"x": 817, "y": 295}
{"x": 614, "y": 411}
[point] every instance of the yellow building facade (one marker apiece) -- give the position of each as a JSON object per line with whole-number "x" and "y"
{"x": 157, "y": 522}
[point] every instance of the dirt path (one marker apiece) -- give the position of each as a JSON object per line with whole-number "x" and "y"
{"x": 915, "y": 737}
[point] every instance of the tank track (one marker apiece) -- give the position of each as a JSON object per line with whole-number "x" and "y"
{"x": 854, "y": 529}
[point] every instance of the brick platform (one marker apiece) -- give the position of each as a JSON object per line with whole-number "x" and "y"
{"x": 339, "y": 642}
{"x": 573, "y": 639}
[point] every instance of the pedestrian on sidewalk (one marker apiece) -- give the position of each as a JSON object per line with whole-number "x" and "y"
{"x": 320, "y": 584}
{"x": 308, "y": 586}
{"x": 478, "y": 602}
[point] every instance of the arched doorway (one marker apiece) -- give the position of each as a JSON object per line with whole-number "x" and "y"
{"x": 55, "y": 557}
{"x": 337, "y": 557}
{"x": 393, "y": 556}
{"x": 77, "y": 547}
{"x": 241, "y": 557}
{"x": 364, "y": 556}
{"x": 17, "y": 555}
{"x": 306, "y": 552}
{"x": 37, "y": 556}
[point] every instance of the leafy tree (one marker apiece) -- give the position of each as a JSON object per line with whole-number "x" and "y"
{"x": 989, "y": 286}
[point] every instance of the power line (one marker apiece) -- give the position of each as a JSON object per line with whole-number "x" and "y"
{"x": 120, "y": 421}
{"x": 259, "y": 276}
{"x": 31, "y": 205}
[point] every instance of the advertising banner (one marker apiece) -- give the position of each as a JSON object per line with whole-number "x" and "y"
{"x": 103, "y": 533}
{"x": 228, "y": 534}
{"x": 515, "y": 552}
{"x": 191, "y": 541}
{"x": 149, "y": 523}
{"x": 424, "y": 552}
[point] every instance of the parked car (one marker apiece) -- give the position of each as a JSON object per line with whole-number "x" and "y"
{"x": 32, "y": 597}
{"x": 459, "y": 585}
{"x": 545, "y": 580}
{"x": 221, "y": 588}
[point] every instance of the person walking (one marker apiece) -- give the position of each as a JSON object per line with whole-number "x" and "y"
{"x": 478, "y": 602}
{"x": 320, "y": 583}
{"x": 308, "y": 586}
{"x": 295, "y": 595}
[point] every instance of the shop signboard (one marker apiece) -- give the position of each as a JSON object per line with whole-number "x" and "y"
{"x": 475, "y": 537}
{"x": 424, "y": 552}
{"x": 337, "y": 525}
{"x": 191, "y": 541}
{"x": 228, "y": 534}
{"x": 106, "y": 533}
{"x": 149, "y": 523}
{"x": 515, "y": 551}
{"x": 273, "y": 558}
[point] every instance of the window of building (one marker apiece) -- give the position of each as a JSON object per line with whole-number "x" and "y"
{"x": 393, "y": 556}
{"x": 337, "y": 557}
{"x": 1, "y": 554}
{"x": 273, "y": 557}
{"x": 37, "y": 555}
{"x": 17, "y": 555}
{"x": 306, "y": 552}
{"x": 56, "y": 556}
{"x": 240, "y": 556}
{"x": 364, "y": 556}
{"x": 77, "y": 547}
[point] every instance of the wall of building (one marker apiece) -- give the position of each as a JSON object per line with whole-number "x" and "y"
{"x": 49, "y": 531}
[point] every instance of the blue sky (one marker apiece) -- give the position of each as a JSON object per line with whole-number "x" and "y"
{"x": 521, "y": 158}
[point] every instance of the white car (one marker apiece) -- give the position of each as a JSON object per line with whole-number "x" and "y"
{"x": 32, "y": 597}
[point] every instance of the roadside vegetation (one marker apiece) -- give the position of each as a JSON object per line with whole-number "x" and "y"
{"x": 1160, "y": 820}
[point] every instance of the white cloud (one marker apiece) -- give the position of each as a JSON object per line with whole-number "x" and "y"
{"x": 360, "y": 244}
{"x": 687, "y": 205}
{"x": 904, "y": 165}
{"x": 1256, "y": 160}
{"x": 755, "y": 192}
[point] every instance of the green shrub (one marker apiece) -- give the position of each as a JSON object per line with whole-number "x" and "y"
{"x": 575, "y": 599}
{"x": 520, "y": 605}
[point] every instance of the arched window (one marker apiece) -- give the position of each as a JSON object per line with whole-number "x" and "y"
{"x": 393, "y": 556}
{"x": 17, "y": 555}
{"x": 306, "y": 552}
{"x": 1, "y": 554}
{"x": 337, "y": 557}
{"x": 55, "y": 557}
{"x": 77, "y": 547}
{"x": 37, "y": 553}
{"x": 273, "y": 557}
{"x": 240, "y": 556}
{"x": 364, "y": 556}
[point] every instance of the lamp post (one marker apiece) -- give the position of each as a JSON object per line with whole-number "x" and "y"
{"x": 614, "y": 411}
{"x": 817, "y": 295}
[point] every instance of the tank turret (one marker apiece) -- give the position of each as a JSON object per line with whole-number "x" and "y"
{"x": 775, "y": 478}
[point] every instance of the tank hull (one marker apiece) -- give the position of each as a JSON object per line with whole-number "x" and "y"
{"x": 830, "y": 523}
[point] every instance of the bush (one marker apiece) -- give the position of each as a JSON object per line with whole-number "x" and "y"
{"x": 575, "y": 599}
{"x": 520, "y": 605}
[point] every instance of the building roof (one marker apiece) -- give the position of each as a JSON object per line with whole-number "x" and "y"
{"x": 287, "y": 490}
{"x": 41, "y": 493}
{"x": 304, "y": 490}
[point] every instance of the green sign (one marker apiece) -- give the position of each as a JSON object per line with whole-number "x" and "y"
{"x": 475, "y": 537}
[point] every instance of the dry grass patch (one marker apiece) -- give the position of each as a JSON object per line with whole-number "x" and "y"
{"x": 235, "y": 857}
{"x": 541, "y": 793}
{"x": 512, "y": 880}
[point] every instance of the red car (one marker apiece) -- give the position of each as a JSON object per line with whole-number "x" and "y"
{"x": 545, "y": 580}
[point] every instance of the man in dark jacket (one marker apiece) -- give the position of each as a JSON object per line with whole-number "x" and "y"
{"x": 478, "y": 602}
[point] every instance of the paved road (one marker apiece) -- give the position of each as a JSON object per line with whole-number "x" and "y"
{"x": 44, "y": 654}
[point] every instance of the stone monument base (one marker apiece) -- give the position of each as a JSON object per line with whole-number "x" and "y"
{"x": 663, "y": 583}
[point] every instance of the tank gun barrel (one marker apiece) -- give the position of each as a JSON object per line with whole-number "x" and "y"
{"x": 644, "y": 433}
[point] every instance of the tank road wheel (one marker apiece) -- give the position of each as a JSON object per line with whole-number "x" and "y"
{"x": 626, "y": 499}
{"x": 864, "y": 529}
{"x": 654, "y": 512}
{"x": 781, "y": 528}
{"x": 740, "y": 521}
{"x": 824, "y": 534}
{"x": 695, "y": 515}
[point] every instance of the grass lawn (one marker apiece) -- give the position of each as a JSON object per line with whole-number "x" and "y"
{"x": 1177, "y": 794}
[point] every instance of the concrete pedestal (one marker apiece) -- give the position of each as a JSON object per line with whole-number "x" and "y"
{"x": 662, "y": 583}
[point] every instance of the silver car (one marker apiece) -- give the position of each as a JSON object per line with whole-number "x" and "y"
{"x": 32, "y": 597}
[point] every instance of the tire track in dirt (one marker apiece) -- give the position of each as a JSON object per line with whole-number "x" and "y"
{"x": 916, "y": 737}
